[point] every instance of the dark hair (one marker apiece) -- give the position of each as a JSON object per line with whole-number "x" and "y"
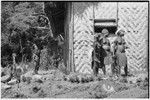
{"x": 120, "y": 33}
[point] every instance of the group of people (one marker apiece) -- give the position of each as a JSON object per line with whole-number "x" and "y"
{"x": 109, "y": 53}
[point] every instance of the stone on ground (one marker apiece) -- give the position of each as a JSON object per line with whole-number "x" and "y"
{"x": 6, "y": 78}
{"x": 108, "y": 88}
{"x": 36, "y": 77}
{"x": 79, "y": 78}
{"x": 5, "y": 86}
{"x": 12, "y": 82}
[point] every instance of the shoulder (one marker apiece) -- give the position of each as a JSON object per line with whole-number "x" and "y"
{"x": 119, "y": 39}
{"x": 123, "y": 41}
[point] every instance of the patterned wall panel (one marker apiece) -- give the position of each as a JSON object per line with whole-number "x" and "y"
{"x": 83, "y": 36}
{"x": 105, "y": 10}
{"x": 133, "y": 18}
{"x": 70, "y": 37}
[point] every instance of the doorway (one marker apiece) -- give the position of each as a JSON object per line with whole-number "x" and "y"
{"x": 57, "y": 13}
{"x": 109, "y": 24}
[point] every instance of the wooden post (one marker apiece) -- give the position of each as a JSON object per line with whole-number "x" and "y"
{"x": 70, "y": 23}
{"x": 117, "y": 15}
{"x": 14, "y": 63}
{"x": 67, "y": 37}
{"x": 94, "y": 35}
{"x": 71, "y": 35}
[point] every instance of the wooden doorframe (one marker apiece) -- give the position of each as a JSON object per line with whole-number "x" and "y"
{"x": 69, "y": 27}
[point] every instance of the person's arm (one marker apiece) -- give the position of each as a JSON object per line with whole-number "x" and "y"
{"x": 125, "y": 45}
{"x": 108, "y": 43}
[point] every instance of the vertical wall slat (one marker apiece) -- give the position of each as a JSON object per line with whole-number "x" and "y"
{"x": 70, "y": 25}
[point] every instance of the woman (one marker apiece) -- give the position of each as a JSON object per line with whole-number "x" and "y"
{"x": 96, "y": 56}
{"x": 114, "y": 58}
{"x": 120, "y": 52}
{"x": 105, "y": 54}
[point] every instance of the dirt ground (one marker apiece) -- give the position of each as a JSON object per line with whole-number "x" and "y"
{"x": 55, "y": 84}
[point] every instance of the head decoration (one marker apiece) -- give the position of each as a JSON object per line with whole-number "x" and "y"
{"x": 105, "y": 32}
{"x": 120, "y": 32}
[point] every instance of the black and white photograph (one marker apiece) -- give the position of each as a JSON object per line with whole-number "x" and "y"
{"x": 74, "y": 49}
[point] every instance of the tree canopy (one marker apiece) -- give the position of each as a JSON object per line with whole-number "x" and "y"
{"x": 23, "y": 24}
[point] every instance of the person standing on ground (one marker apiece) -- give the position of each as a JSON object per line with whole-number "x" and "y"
{"x": 114, "y": 64}
{"x": 105, "y": 54}
{"x": 120, "y": 52}
{"x": 96, "y": 55}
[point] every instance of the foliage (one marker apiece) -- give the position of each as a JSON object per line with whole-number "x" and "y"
{"x": 21, "y": 22}
{"x": 27, "y": 30}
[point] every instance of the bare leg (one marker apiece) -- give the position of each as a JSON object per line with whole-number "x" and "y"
{"x": 113, "y": 69}
{"x": 95, "y": 69}
{"x": 118, "y": 70}
{"x": 92, "y": 64}
{"x": 126, "y": 70}
{"x": 104, "y": 69}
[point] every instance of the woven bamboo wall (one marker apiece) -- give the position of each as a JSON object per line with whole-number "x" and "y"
{"x": 105, "y": 10}
{"x": 83, "y": 38}
{"x": 132, "y": 18}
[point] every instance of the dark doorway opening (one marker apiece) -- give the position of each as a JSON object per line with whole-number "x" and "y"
{"x": 57, "y": 14}
{"x": 111, "y": 29}
{"x": 109, "y": 24}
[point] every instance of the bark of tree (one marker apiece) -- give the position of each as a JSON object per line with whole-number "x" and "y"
{"x": 37, "y": 66}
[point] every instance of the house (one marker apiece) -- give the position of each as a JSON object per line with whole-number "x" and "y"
{"x": 84, "y": 19}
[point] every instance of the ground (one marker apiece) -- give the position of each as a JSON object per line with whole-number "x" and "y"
{"x": 55, "y": 84}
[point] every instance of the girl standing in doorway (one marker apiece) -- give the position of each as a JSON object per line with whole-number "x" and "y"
{"x": 120, "y": 52}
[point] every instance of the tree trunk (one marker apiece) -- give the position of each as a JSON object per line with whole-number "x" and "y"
{"x": 37, "y": 66}
{"x": 14, "y": 63}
